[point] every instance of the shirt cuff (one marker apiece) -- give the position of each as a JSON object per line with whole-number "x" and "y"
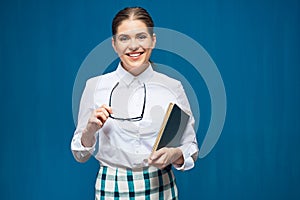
{"x": 188, "y": 164}
{"x": 80, "y": 150}
{"x": 187, "y": 156}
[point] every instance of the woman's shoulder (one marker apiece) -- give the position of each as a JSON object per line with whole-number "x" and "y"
{"x": 104, "y": 77}
{"x": 165, "y": 80}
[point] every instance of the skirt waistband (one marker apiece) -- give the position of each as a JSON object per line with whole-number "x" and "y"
{"x": 149, "y": 169}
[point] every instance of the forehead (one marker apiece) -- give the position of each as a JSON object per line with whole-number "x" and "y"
{"x": 131, "y": 27}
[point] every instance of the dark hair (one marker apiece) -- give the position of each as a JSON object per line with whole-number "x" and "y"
{"x": 136, "y": 13}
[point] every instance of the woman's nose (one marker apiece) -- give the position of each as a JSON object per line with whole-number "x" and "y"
{"x": 133, "y": 45}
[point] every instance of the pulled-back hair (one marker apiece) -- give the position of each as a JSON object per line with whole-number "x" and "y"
{"x": 135, "y": 13}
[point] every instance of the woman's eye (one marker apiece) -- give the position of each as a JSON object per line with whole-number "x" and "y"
{"x": 142, "y": 37}
{"x": 123, "y": 38}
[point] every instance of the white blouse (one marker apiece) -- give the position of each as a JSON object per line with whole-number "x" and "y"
{"x": 128, "y": 144}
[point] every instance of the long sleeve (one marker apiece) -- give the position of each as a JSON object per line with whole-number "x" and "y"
{"x": 81, "y": 153}
{"x": 189, "y": 146}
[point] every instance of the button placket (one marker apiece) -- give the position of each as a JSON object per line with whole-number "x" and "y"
{"x": 137, "y": 143}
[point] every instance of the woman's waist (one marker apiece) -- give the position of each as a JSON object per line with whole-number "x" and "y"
{"x": 139, "y": 171}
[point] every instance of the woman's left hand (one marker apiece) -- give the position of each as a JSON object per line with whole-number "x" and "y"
{"x": 166, "y": 156}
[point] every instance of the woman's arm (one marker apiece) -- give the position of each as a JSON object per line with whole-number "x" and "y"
{"x": 89, "y": 122}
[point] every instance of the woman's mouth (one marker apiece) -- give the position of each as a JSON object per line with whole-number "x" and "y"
{"x": 134, "y": 54}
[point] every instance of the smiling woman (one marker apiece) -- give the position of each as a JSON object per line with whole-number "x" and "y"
{"x": 120, "y": 116}
{"x": 134, "y": 43}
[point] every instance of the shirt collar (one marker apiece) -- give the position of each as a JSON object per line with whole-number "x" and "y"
{"x": 128, "y": 78}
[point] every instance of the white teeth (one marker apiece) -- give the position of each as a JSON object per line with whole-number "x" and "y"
{"x": 134, "y": 54}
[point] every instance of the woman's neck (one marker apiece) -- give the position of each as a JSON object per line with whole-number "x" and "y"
{"x": 137, "y": 70}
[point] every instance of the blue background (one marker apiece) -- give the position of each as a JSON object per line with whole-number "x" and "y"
{"x": 255, "y": 45}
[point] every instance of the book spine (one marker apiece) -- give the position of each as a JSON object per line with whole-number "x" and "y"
{"x": 162, "y": 128}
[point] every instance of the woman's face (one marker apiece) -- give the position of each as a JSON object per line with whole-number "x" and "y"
{"x": 134, "y": 45}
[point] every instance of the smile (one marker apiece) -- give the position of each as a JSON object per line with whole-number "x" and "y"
{"x": 135, "y": 54}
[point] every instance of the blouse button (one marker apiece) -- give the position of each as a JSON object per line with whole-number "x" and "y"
{"x": 137, "y": 143}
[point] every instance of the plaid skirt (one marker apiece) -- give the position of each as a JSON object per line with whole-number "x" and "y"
{"x": 146, "y": 184}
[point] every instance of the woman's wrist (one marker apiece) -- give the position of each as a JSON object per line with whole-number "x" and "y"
{"x": 87, "y": 139}
{"x": 180, "y": 160}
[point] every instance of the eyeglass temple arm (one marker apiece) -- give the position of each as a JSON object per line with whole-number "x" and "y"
{"x": 142, "y": 115}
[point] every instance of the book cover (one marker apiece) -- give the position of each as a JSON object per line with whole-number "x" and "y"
{"x": 172, "y": 129}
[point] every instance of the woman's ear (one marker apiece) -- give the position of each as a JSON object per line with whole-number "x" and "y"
{"x": 113, "y": 44}
{"x": 153, "y": 40}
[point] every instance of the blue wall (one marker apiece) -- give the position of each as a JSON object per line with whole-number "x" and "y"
{"x": 255, "y": 45}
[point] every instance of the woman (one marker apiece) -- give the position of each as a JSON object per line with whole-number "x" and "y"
{"x": 120, "y": 115}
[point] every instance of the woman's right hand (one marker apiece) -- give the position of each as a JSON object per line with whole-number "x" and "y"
{"x": 95, "y": 122}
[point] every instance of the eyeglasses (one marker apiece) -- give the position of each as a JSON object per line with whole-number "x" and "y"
{"x": 133, "y": 119}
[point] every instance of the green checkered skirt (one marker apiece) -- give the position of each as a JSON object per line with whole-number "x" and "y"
{"x": 146, "y": 184}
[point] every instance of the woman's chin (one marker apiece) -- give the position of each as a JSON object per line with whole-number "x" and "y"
{"x": 136, "y": 67}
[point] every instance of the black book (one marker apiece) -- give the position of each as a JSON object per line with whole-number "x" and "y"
{"x": 172, "y": 128}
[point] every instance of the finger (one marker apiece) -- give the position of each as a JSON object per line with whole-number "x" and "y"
{"x": 158, "y": 163}
{"x": 99, "y": 123}
{"x": 104, "y": 107}
{"x": 95, "y": 121}
{"x": 157, "y": 154}
{"x": 101, "y": 116}
{"x": 102, "y": 110}
{"x": 107, "y": 108}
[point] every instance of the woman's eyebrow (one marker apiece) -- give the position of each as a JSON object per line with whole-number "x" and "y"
{"x": 125, "y": 34}
{"x": 122, "y": 34}
{"x": 141, "y": 33}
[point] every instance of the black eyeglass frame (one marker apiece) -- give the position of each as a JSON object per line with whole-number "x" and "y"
{"x": 133, "y": 119}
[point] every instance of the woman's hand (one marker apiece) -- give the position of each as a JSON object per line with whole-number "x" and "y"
{"x": 166, "y": 156}
{"x": 95, "y": 122}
